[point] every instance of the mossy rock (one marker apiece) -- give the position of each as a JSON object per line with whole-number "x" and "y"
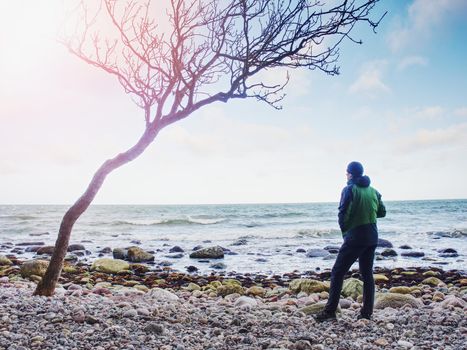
{"x": 212, "y": 285}
{"x": 256, "y": 291}
{"x": 5, "y": 261}
{"x": 400, "y": 290}
{"x": 313, "y": 309}
{"x": 352, "y": 287}
{"x": 231, "y": 281}
{"x": 409, "y": 273}
{"x": 107, "y": 265}
{"x": 192, "y": 287}
{"x": 396, "y": 300}
{"x": 34, "y": 268}
{"x": 141, "y": 288}
{"x": 378, "y": 277}
{"x": 433, "y": 281}
{"x": 229, "y": 289}
{"x": 431, "y": 273}
{"x": 70, "y": 269}
{"x": 308, "y": 286}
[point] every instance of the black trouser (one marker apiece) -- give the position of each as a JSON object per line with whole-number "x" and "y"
{"x": 348, "y": 254}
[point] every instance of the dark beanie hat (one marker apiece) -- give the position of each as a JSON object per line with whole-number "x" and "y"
{"x": 355, "y": 168}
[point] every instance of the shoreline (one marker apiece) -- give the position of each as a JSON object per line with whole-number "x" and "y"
{"x": 139, "y": 309}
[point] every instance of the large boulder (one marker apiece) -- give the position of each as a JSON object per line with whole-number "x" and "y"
{"x": 308, "y": 286}
{"x": 396, "y": 300}
{"x": 136, "y": 254}
{"x": 107, "y": 265}
{"x": 34, "y": 268}
{"x": 215, "y": 252}
{"x": 352, "y": 287}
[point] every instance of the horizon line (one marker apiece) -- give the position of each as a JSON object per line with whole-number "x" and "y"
{"x": 235, "y": 203}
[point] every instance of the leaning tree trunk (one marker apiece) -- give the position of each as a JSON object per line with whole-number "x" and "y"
{"x": 47, "y": 286}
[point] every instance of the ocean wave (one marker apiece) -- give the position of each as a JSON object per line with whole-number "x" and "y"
{"x": 448, "y": 234}
{"x": 251, "y": 224}
{"x": 166, "y": 222}
{"x": 280, "y": 215}
{"x": 314, "y": 233}
{"x": 18, "y": 217}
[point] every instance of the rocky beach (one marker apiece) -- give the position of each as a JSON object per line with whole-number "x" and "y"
{"x": 124, "y": 304}
{"x": 230, "y": 277}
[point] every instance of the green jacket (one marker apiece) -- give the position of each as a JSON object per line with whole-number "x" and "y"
{"x": 360, "y": 205}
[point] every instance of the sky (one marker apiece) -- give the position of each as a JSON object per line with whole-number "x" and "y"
{"x": 399, "y": 106}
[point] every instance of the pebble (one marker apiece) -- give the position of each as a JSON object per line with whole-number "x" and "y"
{"x": 381, "y": 342}
{"x": 175, "y": 319}
{"x": 405, "y": 344}
{"x": 130, "y": 313}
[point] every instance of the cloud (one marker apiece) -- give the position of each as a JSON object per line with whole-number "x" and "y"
{"x": 218, "y": 134}
{"x": 423, "y": 17}
{"x": 370, "y": 80}
{"x": 461, "y": 112}
{"x": 432, "y": 112}
{"x": 423, "y": 139}
{"x": 412, "y": 61}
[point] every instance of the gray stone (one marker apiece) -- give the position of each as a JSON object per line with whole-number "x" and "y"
{"x": 383, "y": 243}
{"x": 218, "y": 266}
{"x": 413, "y": 254}
{"x": 215, "y": 252}
{"x": 119, "y": 253}
{"x": 316, "y": 253}
{"x": 136, "y": 254}
{"x": 75, "y": 247}
{"x": 22, "y": 244}
{"x": 389, "y": 252}
{"x": 176, "y": 249}
{"x": 155, "y": 328}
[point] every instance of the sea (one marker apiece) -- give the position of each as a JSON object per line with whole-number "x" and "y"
{"x": 258, "y": 238}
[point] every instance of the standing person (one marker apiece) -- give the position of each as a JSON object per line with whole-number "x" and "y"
{"x": 359, "y": 207}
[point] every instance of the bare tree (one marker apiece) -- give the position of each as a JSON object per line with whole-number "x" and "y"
{"x": 178, "y": 57}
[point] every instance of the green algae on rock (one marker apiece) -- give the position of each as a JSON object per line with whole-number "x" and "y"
{"x": 107, "y": 265}
{"x": 34, "y": 268}
{"x": 5, "y": 261}
{"x": 308, "y": 286}
{"x": 352, "y": 287}
{"x": 395, "y": 300}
